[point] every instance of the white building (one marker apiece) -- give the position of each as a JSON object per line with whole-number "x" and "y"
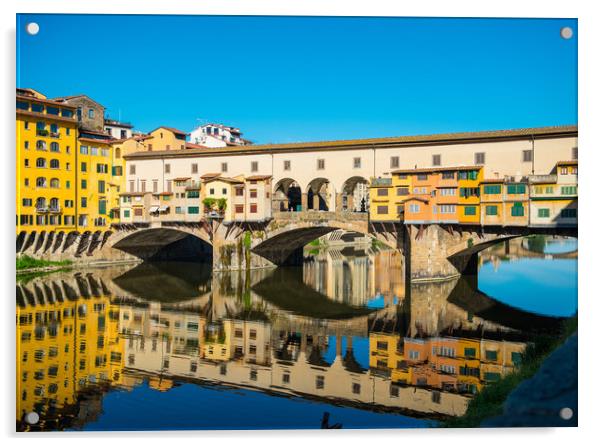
{"x": 217, "y": 135}
{"x": 117, "y": 129}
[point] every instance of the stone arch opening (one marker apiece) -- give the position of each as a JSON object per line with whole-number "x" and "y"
{"x": 287, "y": 196}
{"x": 318, "y": 194}
{"x": 166, "y": 244}
{"x": 354, "y": 196}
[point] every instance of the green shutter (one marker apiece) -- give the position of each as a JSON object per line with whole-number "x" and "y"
{"x": 102, "y": 207}
{"x": 518, "y": 210}
{"x": 193, "y": 209}
{"x": 470, "y": 210}
{"x": 491, "y": 210}
{"x": 543, "y": 213}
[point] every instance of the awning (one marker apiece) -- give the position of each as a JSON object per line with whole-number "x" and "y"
{"x": 153, "y": 209}
{"x": 163, "y": 208}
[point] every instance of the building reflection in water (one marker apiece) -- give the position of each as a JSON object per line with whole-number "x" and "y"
{"x": 424, "y": 352}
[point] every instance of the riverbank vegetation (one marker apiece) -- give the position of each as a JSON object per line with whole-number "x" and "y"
{"x": 490, "y": 401}
{"x": 28, "y": 263}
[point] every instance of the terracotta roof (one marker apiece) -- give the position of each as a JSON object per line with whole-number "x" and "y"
{"x": 66, "y": 98}
{"x": 567, "y": 163}
{"x": 181, "y": 179}
{"x": 45, "y": 101}
{"x": 424, "y": 200}
{"x": 436, "y": 169}
{"x": 171, "y": 129}
{"x": 190, "y": 145}
{"x": 445, "y": 138}
{"x": 224, "y": 179}
{"x": 210, "y": 175}
{"x": 258, "y": 177}
{"x": 96, "y": 140}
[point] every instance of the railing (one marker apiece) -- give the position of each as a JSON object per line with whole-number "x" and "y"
{"x": 42, "y": 132}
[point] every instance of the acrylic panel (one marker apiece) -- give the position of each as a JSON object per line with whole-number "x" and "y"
{"x": 229, "y": 222}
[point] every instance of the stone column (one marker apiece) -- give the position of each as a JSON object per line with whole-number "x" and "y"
{"x": 304, "y": 201}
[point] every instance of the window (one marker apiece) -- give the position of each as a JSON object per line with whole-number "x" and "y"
{"x": 167, "y": 168}
{"x": 436, "y": 160}
{"x": 321, "y": 164}
{"x": 254, "y": 166}
{"x": 568, "y": 190}
{"x": 575, "y": 153}
{"x": 382, "y": 192}
{"x": 101, "y": 187}
{"x": 41, "y": 182}
{"x": 470, "y": 210}
{"x": 479, "y": 158}
{"x": 414, "y": 354}
{"x": 84, "y": 202}
{"x": 194, "y": 168}
{"x": 447, "y": 209}
{"x": 27, "y": 202}
{"x": 382, "y": 210}
{"x": 490, "y": 210}
{"x": 138, "y": 212}
{"x": 357, "y": 163}
{"x": 41, "y": 162}
{"x": 54, "y": 164}
{"x": 287, "y": 165}
{"x": 224, "y": 191}
{"x": 54, "y": 147}
{"x": 253, "y": 208}
{"x": 394, "y": 162}
{"x": 91, "y": 113}
{"x": 403, "y": 191}
{"x": 422, "y": 176}
{"x": 447, "y": 191}
{"x": 155, "y": 186}
{"x": 516, "y": 189}
{"x": 84, "y": 184}
{"x": 543, "y": 213}
{"x": 142, "y": 185}
{"x": 253, "y": 193}
{"x": 55, "y": 183}
{"x": 193, "y": 209}
{"x": 492, "y": 189}
{"x": 517, "y": 210}
{"x": 84, "y": 167}
{"x": 102, "y": 168}
{"x": 448, "y": 175}
{"x": 527, "y": 156}
{"x": 568, "y": 213}
{"x": 94, "y": 151}
{"x": 470, "y": 352}
{"x": 224, "y": 167}
{"x": 102, "y": 207}
{"x": 517, "y": 358}
{"x": 356, "y": 388}
{"x": 239, "y": 208}
{"x": 414, "y": 208}
{"x": 319, "y": 382}
{"x": 40, "y": 145}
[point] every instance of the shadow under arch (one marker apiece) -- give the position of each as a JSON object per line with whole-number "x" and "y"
{"x": 160, "y": 244}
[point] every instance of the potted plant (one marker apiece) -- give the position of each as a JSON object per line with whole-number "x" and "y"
{"x": 222, "y": 204}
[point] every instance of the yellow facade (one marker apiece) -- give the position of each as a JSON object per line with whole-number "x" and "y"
{"x": 166, "y": 138}
{"x": 62, "y": 347}
{"x": 46, "y": 150}
{"x": 469, "y": 209}
{"x": 98, "y": 192}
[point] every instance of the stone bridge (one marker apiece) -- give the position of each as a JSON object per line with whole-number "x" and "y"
{"x": 435, "y": 251}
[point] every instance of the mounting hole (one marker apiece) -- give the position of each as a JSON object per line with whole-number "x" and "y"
{"x": 32, "y": 418}
{"x": 566, "y": 32}
{"x": 32, "y": 28}
{"x": 566, "y": 413}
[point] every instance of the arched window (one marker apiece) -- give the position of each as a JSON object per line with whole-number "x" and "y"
{"x": 41, "y": 202}
{"x": 54, "y": 129}
{"x": 54, "y": 164}
{"x": 118, "y": 153}
{"x": 41, "y": 145}
{"x": 54, "y": 147}
{"x": 41, "y": 182}
{"x": 54, "y": 183}
{"x": 54, "y": 203}
{"x": 41, "y": 162}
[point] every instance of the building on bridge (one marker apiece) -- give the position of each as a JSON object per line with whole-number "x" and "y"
{"x": 218, "y": 135}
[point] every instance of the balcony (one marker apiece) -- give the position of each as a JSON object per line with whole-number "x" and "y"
{"x": 42, "y": 132}
{"x": 541, "y": 179}
{"x": 381, "y": 182}
{"x": 55, "y": 135}
{"x": 42, "y": 209}
{"x": 54, "y": 209}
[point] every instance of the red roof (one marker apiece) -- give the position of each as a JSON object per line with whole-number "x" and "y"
{"x": 171, "y": 129}
{"x": 190, "y": 145}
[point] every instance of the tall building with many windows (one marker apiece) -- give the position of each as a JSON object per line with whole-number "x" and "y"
{"x": 46, "y": 153}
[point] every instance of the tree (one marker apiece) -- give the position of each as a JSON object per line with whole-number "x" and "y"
{"x": 222, "y": 204}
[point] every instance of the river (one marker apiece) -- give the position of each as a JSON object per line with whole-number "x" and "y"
{"x": 341, "y": 341}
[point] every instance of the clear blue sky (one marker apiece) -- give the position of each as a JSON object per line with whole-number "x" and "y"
{"x": 284, "y": 79}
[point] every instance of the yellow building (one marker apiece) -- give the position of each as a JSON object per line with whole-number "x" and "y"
{"x": 553, "y": 198}
{"x": 469, "y": 208}
{"x": 98, "y": 193}
{"x": 46, "y": 153}
{"x": 381, "y": 196}
{"x": 63, "y": 347}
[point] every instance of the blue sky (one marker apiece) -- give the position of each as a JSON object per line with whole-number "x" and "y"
{"x": 285, "y": 79}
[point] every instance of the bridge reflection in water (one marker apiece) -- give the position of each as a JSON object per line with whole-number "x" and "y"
{"x": 345, "y": 330}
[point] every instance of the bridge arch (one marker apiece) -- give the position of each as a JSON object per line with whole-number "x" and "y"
{"x": 161, "y": 243}
{"x": 320, "y": 195}
{"x": 287, "y": 196}
{"x": 354, "y": 196}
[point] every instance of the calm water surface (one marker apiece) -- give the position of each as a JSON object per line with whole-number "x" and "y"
{"x": 169, "y": 346}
